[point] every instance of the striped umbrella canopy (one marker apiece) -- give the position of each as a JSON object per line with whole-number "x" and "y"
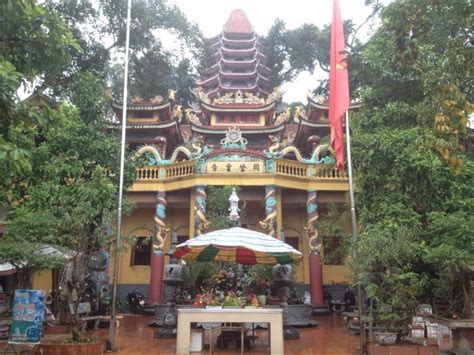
{"x": 238, "y": 245}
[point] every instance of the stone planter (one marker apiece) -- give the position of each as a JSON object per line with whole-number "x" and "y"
{"x": 94, "y": 348}
{"x": 299, "y": 315}
{"x": 461, "y": 330}
{"x": 160, "y": 310}
{"x": 385, "y": 338}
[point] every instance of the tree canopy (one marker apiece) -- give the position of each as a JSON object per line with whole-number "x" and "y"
{"x": 413, "y": 176}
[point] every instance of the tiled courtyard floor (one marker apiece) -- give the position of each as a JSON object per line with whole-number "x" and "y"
{"x": 135, "y": 337}
{"x": 330, "y": 337}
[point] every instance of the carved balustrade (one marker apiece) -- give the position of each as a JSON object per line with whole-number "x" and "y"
{"x": 291, "y": 168}
{"x": 282, "y": 167}
{"x": 148, "y": 173}
{"x": 183, "y": 169}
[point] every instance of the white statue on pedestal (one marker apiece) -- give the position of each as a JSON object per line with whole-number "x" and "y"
{"x": 234, "y": 206}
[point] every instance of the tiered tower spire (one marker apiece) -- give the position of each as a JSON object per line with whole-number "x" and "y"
{"x": 239, "y": 61}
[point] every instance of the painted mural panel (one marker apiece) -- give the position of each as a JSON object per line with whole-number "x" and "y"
{"x": 28, "y": 314}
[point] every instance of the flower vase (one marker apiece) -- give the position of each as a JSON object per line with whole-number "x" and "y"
{"x": 262, "y": 299}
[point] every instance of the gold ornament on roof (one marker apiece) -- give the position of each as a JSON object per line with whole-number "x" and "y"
{"x": 283, "y": 117}
{"x": 318, "y": 99}
{"x": 238, "y": 98}
{"x": 157, "y": 99}
{"x": 226, "y": 99}
{"x": 233, "y": 139}
{"x": 177, "y": 113}
{"x": 250, "y": 98}
{"x": 172, "y": 95}
{"x": 275, "y": 95}
{"x": 136, "y": 100}
{"x": 202, "y": 96}
{"x": 300, "y": 112}
{"x": 192, "y": 117}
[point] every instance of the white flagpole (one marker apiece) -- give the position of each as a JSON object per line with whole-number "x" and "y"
{"x": 111, "y": 342}
{"x": 355, "y": 254}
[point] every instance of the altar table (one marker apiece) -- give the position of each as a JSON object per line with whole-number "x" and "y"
{"x": 273, "y": 316}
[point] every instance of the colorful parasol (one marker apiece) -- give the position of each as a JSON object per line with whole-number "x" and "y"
{"x": 237, "y": 245}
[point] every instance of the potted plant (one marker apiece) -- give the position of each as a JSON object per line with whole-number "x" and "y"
{"x": 389, "y": 322}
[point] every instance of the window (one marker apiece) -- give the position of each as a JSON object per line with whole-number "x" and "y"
{"x": 145, "y": 115}
{"x": 141, "y": 254}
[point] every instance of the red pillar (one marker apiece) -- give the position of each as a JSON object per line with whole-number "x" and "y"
{"x": 316, "y": 279}
{"x": 156, "y": 279}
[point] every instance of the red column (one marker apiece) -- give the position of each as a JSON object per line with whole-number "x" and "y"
{"x": 316, "y": 279}
{"x": 156, "y": 279}
{"x": 157, "y": 258}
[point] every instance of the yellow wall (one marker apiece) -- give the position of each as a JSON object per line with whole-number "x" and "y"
{"x": 42, "y": 280}
{"x": 335, "y": 274}
{"x": 140, "y": 223}
{"x": 293, "y": 221}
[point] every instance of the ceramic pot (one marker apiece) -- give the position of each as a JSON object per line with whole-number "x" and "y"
{"x": 262, "y": 299}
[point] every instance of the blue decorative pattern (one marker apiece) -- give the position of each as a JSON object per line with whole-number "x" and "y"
{"x": 28, "y": 313}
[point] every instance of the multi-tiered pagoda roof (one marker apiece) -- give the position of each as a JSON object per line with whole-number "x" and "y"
{"x": 239, "y": 61}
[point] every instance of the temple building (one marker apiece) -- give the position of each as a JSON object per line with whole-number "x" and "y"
{"x": 239, "y": 133}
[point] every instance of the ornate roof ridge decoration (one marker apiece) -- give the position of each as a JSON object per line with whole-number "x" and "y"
{"x": 233, "y": 139}
{"x": 142, "y": 106}
{"x": 192, "y": 117}
{"x": 283, "y": 117}
{"x": 157, "y": 125}
{"x": 300, "y": 113}
{"x": 274, "y": 96}
{"x": 155, "y": 103}
{"x": 238, "y": 98}
{"x": 279, "y": 149}
{"x": 321, "y": 102}
{"x": 243, "y": 107}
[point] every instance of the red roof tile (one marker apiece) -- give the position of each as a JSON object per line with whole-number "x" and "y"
{"x": 238, "y": 22}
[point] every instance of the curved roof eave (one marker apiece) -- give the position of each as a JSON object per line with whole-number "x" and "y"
{"x": 243, "y": 130}
{"x": 141, "y": 107}
{"x": 212, "y": 108}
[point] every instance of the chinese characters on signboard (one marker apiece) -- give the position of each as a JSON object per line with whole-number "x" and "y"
{"x": 240, "y": 167}
{"x": 28, "y": 314}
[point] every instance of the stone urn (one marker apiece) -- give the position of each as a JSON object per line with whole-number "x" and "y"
{"x": 171, "y": 279}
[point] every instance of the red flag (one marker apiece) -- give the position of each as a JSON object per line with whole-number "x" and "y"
{"x": 338, "y": 85}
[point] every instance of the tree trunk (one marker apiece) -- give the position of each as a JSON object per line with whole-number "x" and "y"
{"x": 467, "y": 293}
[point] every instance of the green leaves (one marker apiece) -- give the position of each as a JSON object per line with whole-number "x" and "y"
{"x": 414, "y": 181}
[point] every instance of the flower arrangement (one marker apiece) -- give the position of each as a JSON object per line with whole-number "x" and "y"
{"x": 208, "y": 298}
{"x": 219, "y": 280}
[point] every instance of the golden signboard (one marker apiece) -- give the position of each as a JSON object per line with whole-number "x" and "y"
{"x": 232, "y": 167}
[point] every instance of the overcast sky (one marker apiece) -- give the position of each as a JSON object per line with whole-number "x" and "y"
{"x": 212, "y": 14}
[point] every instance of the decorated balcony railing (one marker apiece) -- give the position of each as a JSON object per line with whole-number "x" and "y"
{"x": 280, "y": 167}
{"x": 164, "y": 172}
{"x": 303, "y": 170}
